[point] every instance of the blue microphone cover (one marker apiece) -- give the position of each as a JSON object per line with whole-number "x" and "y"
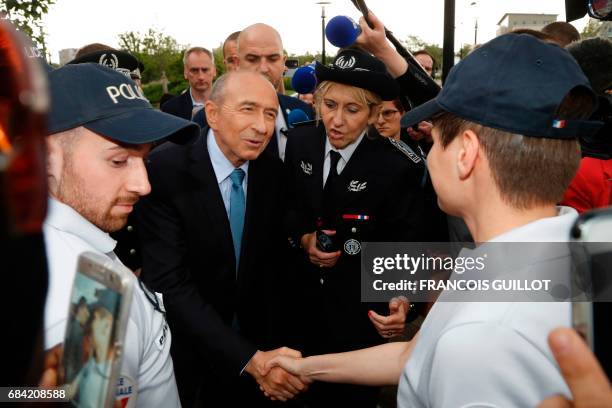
{"x": 304, "y": 80}
{"x": 296, "y": 116}
{"x": 342, "y": 31}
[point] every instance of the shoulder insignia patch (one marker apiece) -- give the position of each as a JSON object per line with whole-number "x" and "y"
{"x": 405, "y": 149}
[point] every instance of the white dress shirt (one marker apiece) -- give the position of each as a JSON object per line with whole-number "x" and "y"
{"x": 345, "y": 156}
{"x": 280, "y": 137}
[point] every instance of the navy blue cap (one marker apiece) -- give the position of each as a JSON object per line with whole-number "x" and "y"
{"x": 110, "y": 104}
{"x": 121, "y": 61}
{"x": 357, "y": 68}
{"x": 514, "y": 83}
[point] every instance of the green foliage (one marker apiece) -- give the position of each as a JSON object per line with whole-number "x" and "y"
{"x": 153, "y": 92}
{"x": 465, "y": 50}
{"x": 288, "y": 88}
{"x": 218, "y": 56}
{"x": 27, "y": 16}
{"x": 157, "y": 51}
{"x": 414, "y": 43}
{"x": 591, "y": 29}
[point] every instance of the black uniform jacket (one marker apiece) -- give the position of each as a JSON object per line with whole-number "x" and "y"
{"x": 381, "y": 184}
{"x": 181, "y": 105}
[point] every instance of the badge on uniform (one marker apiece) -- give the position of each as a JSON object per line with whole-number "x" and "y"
{"x": 306, "y": 168}
{"x": 352, "y": 247}
{"x": 356, "y": 186}
{"x": 404, "y": 148}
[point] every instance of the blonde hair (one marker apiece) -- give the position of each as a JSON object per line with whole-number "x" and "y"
{"x": 363, "y": 96}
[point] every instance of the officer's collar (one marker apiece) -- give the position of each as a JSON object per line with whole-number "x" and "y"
{"x": 348, "y": 151}
{"x": 65, "y": 218}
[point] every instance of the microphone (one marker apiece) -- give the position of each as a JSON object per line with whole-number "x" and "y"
{"x": 342, "y": 31}
{"x": 296, "y": 116}
{"x": 304, "y": 80}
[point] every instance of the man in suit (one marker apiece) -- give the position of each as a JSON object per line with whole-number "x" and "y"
{"x": 260, "y": 49}
{"x": 213, "y": 242}
{"x": 199, "y": 70}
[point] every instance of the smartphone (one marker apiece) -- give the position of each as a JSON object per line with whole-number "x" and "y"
{"x": 95, "y": 333}
{"x": 592, "y": 252}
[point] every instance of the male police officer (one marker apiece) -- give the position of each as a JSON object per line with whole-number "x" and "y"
{"x": 100, "y": 129}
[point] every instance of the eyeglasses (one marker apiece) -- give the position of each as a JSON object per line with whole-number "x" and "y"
{"x": 388, "y": 113}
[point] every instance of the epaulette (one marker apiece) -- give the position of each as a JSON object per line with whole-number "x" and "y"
{"x": 405, "y": 149}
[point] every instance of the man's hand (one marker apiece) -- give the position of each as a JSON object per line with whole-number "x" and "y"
{"x": 423, "y": 132}
{"x": 277, "y": 384}
{"x": 51, "y": 368}
{"x": 317, "y": 257}
{"x": 392, "y": 325}
{"x": 581, "y": 371}
{"x": 292, "y": 365}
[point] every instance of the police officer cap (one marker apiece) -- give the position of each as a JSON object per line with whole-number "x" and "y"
{"x": 107, "y": 103}
{"x": 513, "y": 83}
{"x": 357, "y": 68}
{"x": 121, "y": 61}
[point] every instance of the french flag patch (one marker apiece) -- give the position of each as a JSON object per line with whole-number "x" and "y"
{"x": 558, "y": 124}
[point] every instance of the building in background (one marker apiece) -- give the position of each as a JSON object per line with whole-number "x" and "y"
{"x": 513, "y": 21}
{"x": 67, "y": 54}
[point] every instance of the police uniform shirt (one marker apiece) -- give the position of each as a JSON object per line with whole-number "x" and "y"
{"x": 146, "y": 377}
{"x": 345, "y": 156}
{"x": 490, "y": 354}
{"x": 280, "y": 137}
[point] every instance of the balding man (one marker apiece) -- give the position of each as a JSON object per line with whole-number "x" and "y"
{"x": 230, "y": 51}
{"x": 212, "y": 243}
{"x": 260, "y": 49}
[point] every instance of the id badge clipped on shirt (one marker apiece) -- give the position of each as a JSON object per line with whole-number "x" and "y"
{"x": 95, "y": 333}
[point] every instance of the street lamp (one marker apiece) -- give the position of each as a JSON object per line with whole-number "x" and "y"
{"x": 475, "y": 24}
{"x": 323, "y": 4}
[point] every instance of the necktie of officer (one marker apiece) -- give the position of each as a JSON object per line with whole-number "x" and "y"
{"x": 328, "y": 189}
{"x": 237, "y": 208}
{"x": 334, "y": 158}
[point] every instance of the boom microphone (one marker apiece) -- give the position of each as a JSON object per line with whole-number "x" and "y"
{"x": 304, "y": 80}
{"x": 342, "y": 31}
{"x": 423, "y": 87}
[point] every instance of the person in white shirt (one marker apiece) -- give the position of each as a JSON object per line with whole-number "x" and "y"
{"x": 504, "y": 151}
{"x": 100, "y": 130}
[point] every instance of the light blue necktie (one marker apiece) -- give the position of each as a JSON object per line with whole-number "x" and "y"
{"x": 236, "y": 213}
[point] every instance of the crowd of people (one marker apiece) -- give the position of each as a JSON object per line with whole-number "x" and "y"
{"x": 244, "y": 231}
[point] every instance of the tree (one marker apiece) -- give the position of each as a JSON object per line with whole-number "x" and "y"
{"x": 591, "y": 29}
{"x": 414, "y": 43}
{"x": 157, "y": 51}
{"x": 464, "y": 51}
{"x": 27, "y": 16}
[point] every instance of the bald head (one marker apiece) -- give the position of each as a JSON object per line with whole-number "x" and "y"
{"x": 233, "y": 81}
{"x": 260, "y": 49}
{"x": 242, "y": 113}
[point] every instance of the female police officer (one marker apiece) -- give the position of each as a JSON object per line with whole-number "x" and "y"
{"x": 346, "y": 187}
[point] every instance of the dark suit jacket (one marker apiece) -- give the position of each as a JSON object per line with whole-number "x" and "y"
{"x": 180, "y": 106}
{"x": 287, "y": 104}
{"x": 379, "y": 181}
{"x": 188, "y": 254}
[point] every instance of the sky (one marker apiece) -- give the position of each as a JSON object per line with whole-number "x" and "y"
{"x": 74, "y": 23}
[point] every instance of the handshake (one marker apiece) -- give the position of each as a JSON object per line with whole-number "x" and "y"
{"x": 274, "y": 381}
